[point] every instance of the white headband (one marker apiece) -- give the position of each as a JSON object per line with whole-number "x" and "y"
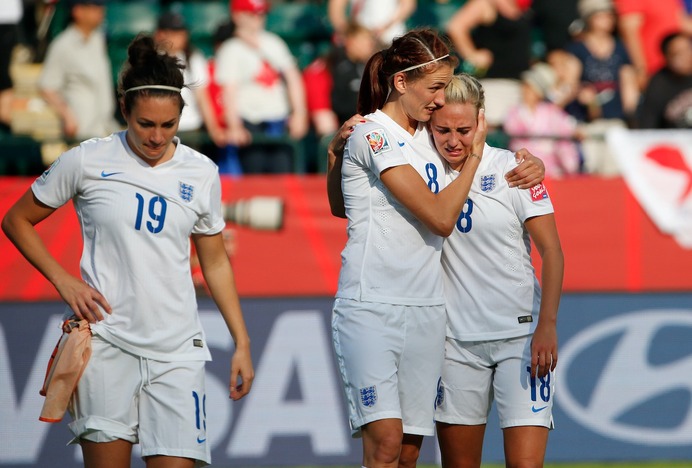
{"x": 166, "y": 88}
{"x": 421, "y": 64}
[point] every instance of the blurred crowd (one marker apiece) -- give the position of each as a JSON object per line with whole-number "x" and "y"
{"x": 557, "y": 74}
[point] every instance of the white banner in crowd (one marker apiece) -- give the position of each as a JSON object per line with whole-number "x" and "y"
{"x": 657, "y": 167}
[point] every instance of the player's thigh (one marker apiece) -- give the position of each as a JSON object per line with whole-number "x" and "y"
{"x": 466, "y": 387}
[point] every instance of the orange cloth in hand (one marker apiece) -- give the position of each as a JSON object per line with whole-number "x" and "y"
{"x": 65, "y": 367}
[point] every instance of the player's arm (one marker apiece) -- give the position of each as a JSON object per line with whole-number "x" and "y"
{"x": 543, "y": 232}
{"x": 218, "y": 274}
{"x": 438, "y": 211}
{"x": 18, "y": 224}
{"x": 335, "y": 153}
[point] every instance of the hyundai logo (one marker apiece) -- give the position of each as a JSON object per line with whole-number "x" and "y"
{"x": 643, "y": 375}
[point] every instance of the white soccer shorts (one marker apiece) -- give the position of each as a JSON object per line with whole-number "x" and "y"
{"x": 476, "y": 372}
{"x": 390, "y": 358}
{"x": 160, "y": 405}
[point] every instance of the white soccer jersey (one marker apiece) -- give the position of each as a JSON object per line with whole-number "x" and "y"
{"x": 390, "y": 256}
{"x": 136, "y": 221}
{"x": 491, "y": 288}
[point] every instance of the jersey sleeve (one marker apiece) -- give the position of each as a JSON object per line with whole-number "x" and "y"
{"x": 374, "y": 148}
{"x": 531, "y": 202}
{"x": 211, "y": 219}
{"x": 60, "y": 182}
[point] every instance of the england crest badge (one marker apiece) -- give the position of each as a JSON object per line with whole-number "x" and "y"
{"x": 488, "y": 182}
{"x": 368, "y": 396}
{"x": 186, "y": 191}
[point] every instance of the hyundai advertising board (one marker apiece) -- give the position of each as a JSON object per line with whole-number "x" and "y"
{"x": 624, "y": 385}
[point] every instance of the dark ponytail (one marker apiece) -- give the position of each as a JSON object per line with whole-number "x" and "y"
{"x": 413, "y": 49}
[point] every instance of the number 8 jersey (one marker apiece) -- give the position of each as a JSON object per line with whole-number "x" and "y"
{"x": 136, "y": 222}
{"x": 390, "y": 257}
{"x": 490, "y": 284}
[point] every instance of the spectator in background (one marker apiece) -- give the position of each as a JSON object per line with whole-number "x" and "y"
{"x": 227, "y": 156}
{"x": 667, "y": 100}
{"x": 263, "y": 90}
{"x": 77, "y": 80}
{"x": 172, "y": 36}
{"x": 11, "y": 12}
{"x": 643, "y": 25}
{"x": 609, "y": 92}
{"x": 332, "y": 82}
{"x": 541, "y": 126}
{"x": 553, "y": 20}
{"x": 493, "y": 38}
{"x": 567, "y": 69}
{"x": 385, "y": 18}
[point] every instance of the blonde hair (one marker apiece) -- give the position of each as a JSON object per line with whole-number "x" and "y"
{"x": 465, "y": 89}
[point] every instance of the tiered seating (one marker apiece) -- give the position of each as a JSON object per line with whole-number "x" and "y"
{"x": 304, "y": 27}
{"x": 202, "y": 18}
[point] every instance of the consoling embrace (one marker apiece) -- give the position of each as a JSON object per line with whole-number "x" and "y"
{"x": 438, "y": 309}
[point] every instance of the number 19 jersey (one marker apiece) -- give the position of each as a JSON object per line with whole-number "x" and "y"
{"x": 136, "y": 223}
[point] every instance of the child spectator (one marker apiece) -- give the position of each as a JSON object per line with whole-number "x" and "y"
{"x": 541, "y": 126}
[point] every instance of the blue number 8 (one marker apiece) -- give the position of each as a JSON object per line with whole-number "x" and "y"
{"x": 464, "y": 223}
{"x": 431, "y": 172}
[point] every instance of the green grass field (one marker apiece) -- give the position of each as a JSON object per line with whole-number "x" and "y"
{"x": 657, "y": 464}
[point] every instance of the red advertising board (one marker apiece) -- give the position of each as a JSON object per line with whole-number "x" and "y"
{"x": 610, "y": 244}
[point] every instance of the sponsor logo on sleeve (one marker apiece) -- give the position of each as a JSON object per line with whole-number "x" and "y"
{"x": 538, "y": 192}
{"x": 378, "y": 142}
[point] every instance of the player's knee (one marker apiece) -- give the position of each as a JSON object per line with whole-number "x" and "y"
{"x": 409, "y": 456}
{"x": 386, "y": 450}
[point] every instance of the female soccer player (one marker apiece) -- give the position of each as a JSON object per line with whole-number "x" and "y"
{"x": 389, "y": 317}
{"x": 139, "y": 195}
{"x": 501, "y": 328}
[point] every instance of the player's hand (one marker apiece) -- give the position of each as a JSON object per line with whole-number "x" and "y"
{"x": 543, "y": 350}
{"x": 478, "y": 143}
{"x": 82, "y": 299}
{"x": 529, "y": 172}
{"x": 336, "y": 146}
{"x": 242, "y": 374}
